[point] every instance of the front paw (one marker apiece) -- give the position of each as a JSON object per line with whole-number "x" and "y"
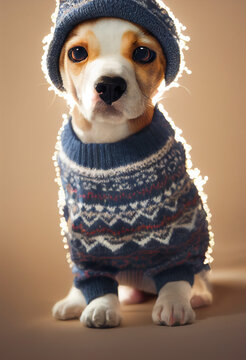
{"x": 67, "y": 309}
{"x": 173, "y": 313}
{"x": 173, "y": 305}
{"x": 102, "y": 312}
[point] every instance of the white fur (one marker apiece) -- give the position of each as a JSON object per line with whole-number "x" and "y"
{"x": 103, "y": 311}
{"x": 71, "y": 306}
{"x": 102, "y": 132}
{"x": 173, "y": 306}
{"x": 130, "y": 105}
{"x": 110, "y": 62}
{"x": 175, "y": 295}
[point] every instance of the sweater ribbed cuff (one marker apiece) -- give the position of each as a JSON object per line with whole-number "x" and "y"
{"x": 93, "y": 288}
{"x": 180, "y": 273}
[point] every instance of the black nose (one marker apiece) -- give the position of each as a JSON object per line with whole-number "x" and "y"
{"x": 110, "y": 89}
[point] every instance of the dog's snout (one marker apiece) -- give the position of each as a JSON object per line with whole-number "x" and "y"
{"x": 110, "y": 89}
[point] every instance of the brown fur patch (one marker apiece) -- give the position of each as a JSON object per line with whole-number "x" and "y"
{"x": 92, "y": 46}
{"x": 80, "y": 121}
{"x": 143, "y": 120}
{"x": 149, "y": 76}
{"x": 89, "y": 42}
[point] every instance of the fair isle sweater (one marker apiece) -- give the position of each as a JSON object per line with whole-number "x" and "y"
{"x": 131, "y": 205}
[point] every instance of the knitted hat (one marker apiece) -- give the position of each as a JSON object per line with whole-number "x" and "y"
{"x": 153, "y": 15}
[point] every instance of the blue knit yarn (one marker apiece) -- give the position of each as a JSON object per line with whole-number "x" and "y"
{"x": 111, "y": 155}
{"x": 131, "y": 206}
{"x": 147, "y": 13}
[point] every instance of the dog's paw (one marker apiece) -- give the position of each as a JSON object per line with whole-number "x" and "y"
{"x": 102, "y": 312}
{"x": 173, "y": 305}
{"x": 67, "y": 309}
{"x": 201, "y": 294}
{"x": 171, "y": 313}
{"x": 201, "y": 300}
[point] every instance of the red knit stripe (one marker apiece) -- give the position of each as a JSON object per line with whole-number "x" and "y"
{"x": 159, "y": 185}
{"x": 166, "y": 220}
{"x": 195, "y": 239}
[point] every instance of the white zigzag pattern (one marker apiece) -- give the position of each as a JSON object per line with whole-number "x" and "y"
{"x": 146, "y": 239}
{"x": 127, "y": 219}
{"x": 124, "y": 218}
{"x": 110, "y": 219}
{"x": 108, "y": 216}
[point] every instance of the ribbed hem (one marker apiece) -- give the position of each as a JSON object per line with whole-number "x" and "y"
{"x": 106, "y": 156}
{"x": 95, "y": 287}
{"x": 180, "y": 273}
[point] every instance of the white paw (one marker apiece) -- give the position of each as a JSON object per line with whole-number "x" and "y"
{"x": 102, "y": 312}
{"x": 66, "y": 309}
{"x": 169, "y": 313}
{"x": 173, "y": 306}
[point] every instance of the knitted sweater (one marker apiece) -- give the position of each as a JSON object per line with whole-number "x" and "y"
{"x": 131, "y": 205}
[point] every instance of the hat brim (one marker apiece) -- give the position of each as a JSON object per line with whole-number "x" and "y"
{"x": 128, "y": 10}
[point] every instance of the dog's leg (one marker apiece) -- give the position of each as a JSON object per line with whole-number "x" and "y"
{"x": 173, "y": 305}
{"x": 102, "y": 312}
{"x": 71, "y": 306}
{"x": 201, "y": 294}
{"x": 128, "y": 295}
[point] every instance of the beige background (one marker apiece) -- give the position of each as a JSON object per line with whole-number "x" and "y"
{"x": 209, "y": 107}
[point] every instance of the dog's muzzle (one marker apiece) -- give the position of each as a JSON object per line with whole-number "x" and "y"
{"x": 110, "y": 89}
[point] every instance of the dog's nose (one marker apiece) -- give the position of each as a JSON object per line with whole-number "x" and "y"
{"x": 110, "y": 89}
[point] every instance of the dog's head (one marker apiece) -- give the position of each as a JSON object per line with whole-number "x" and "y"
{"x": 112, "y": 68}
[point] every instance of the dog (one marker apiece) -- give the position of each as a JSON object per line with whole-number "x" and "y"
{"x": 111, "y": 70}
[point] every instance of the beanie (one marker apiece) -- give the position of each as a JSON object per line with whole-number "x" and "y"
{"x": 153, "y": 15}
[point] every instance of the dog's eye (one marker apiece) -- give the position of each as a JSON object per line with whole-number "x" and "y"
{"x": 77, "y": 54}
{"x": 143, "y": 55}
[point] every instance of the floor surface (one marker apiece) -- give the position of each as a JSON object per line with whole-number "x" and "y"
{"x": 218, "y": 333}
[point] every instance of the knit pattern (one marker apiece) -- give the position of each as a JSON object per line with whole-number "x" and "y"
{"x": 151, "y": 5}
{"x": 135, "y": 207}
{"x": 153, "y": 15}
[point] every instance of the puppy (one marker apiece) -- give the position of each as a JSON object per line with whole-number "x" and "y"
{"x": 112, "y": 70}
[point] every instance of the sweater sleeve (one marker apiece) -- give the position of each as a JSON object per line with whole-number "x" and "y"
{"x": 95, "y": 283}
{"x": 180, "y": 273}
